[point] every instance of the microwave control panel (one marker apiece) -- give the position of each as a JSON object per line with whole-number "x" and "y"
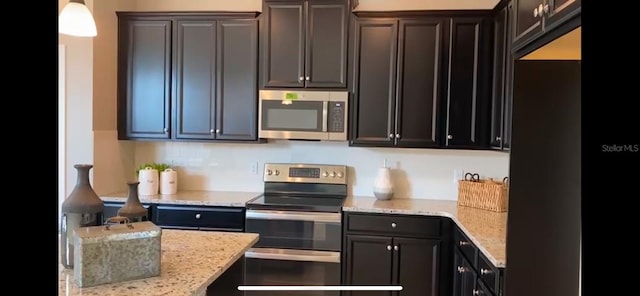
{"x": 336, "y": 117}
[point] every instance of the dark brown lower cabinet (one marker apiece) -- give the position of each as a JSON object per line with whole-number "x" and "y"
{"x": 473, "y": 273}
{"x": 389, "y": 257}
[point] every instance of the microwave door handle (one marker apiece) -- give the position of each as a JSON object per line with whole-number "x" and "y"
{"x": 325, "y": 105}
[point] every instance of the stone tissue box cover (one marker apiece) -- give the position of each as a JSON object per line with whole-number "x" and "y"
{"x": 115, "y": 253}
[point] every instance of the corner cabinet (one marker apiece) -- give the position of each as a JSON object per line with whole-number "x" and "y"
{"x": 467, "y": 102}
{"x": 474, "y": 274}
{"x": 533, "y": 18}
{"x": 381, "y": 249}
{"x": 304, "y": 43}
{"x": 187, "y": 76}
{"x": 502, "y": 94}
{"x": 397, "y": 87}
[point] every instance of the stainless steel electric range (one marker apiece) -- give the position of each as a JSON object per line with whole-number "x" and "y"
{"x": 298, "y": 218}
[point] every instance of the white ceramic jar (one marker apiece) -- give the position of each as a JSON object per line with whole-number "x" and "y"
{"x": 168, "y": 182}
{"x": 149, "y": 183}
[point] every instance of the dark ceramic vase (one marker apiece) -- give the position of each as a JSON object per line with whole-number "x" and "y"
{"x": 82, "y": 208}
{"x": 132, "y": 208}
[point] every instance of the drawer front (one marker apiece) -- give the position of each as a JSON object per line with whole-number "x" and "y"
{"x": 204, "y": 218}
{"x": 489, "y": 274}
{"x": 415, "y": 226}
{"x": 465, "y": 245}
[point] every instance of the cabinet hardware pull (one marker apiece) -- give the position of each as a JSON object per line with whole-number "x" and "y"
{"x": 389, "y": 247}
{"x": 211, "y": 131}
{"x": 217, "y": 131}
{"x": 498, "y": 139}
{"x": 484, "y": 271}
{"x": 546, "y": 8}
{"x": 463, "y": 243}
{"x": 165, "y": 129}
{"x": 477, "y": 292}
{"x": 197, "y": 216}
{"x": 460, "y": 269}
{"x": 391, "y": 136}
{"x": 535, "y": 12}
{"x": 306, "y": 78}
{"x": 398, "y": 136}
{"x": 396, "y": 248}
{"x": 393, "y": 225}
{"x": 300, "y": 78}
{"x": 450, "y": 137}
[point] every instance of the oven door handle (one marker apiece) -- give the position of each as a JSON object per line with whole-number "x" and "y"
{"x": 293, "y": 255}
{"x": 294, "y": 216}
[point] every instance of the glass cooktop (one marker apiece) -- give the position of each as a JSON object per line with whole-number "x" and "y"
{"x": 297, "y": 203}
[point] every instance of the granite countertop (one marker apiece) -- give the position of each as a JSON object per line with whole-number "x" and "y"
{"x": 191, "y": 197}
{"x": 486, "y": 229}
{"x": 191, "y": 261}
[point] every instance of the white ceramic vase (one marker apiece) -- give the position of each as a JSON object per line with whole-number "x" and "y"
{"x": 383, "y": 188}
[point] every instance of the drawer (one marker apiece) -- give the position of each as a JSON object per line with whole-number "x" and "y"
{"x": 461, "y": 241}
{"x": 415, "y": 226}
{"x": 488, "y": 273}
{"x": 203, "y": 218}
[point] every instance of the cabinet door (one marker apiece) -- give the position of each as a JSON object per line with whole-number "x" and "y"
{"x": 283, "y": 44}
{"x": 508, "y": 84}
{"x": 469, "y": 79}
{"x": 237, "y": 97}
{"x": 326, "y": 44}
{"x": 500, "y": 54}
{"x": 416, "y": 266}
{"x": 528, "y": 21}
{"x": 420, "y": 51}
{"x": 145, "y": 76}
{"x": 368, "y": 262}
{"x": 464, "y": 277}
{"x": 194, "y": 79}
{"x": 560, "y": 11}
{"x": 374, "y": 67}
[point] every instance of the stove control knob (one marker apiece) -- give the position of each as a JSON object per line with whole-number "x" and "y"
{"x": 340, "y": 175}
{"x": 277, "y": 172}
{"x": 269, "y": 172}
{"x": 333, "y": 174}
{"x": 325, "y": 174}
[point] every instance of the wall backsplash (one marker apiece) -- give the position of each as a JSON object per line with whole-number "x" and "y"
{"x": 416, "y": 173}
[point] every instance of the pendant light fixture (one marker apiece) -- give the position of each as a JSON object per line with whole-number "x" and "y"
{"x": 76, "y": 20}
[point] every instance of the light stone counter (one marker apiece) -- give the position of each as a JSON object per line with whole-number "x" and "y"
{"x": 486, "y": 229}
{"x": 191, "y": 261}
{"x": 191, "y": 197}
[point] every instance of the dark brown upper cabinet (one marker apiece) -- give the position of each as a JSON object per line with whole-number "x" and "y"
{"x": 398, "y": 66}
{"x": 144, "y": 78}
{"x": 534, "y": 18}
{"x": 188, "y": 76}
{"x": 502, "y": 80}
{"x": 304, "y": 44}
{"x": 467, "y": 112}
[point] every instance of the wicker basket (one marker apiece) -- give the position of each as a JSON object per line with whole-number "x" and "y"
{"x": 484, "y": 194}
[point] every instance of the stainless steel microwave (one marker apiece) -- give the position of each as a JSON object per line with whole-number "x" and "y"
{"x": 303, "y": 115}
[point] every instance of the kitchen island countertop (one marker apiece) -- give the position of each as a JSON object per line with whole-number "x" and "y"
{"x": 190, "y": 262}
{"x": 190, "y": 197}
{"x": 487, "y": 229}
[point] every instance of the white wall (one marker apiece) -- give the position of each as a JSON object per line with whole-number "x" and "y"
{"x": 417, "y": 173}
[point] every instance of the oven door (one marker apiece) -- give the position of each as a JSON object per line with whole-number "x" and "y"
{"x": 319, "y": 231}
{"x": 285, "y": 267}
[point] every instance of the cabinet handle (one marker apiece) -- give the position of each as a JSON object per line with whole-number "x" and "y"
{"x": 389, "y": 247}
{"x": 396, "y": 248}
{"x": 463, "y": 243}
{"x": 212, "y": 131}
{"x": 393, "y": 225}
{"x": 306, "y": 78}
{"x": 461, "y": 269}
{"x": 484, "y": 271}
{"x": 217, "y": 131}
{"x": 498, "y": 139}
{"x": 477, "y": 292}
{"x": 197, "y": 216}
{"x": 398, "y": 136}
{"x": 546, "y": 8}
{"x": 390, "y": 136}
{"x": 165, "y": 129}
{"x": 300, "y": 78}
{"x": 450, "y": 137}
{"x": 535, "y": 12}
